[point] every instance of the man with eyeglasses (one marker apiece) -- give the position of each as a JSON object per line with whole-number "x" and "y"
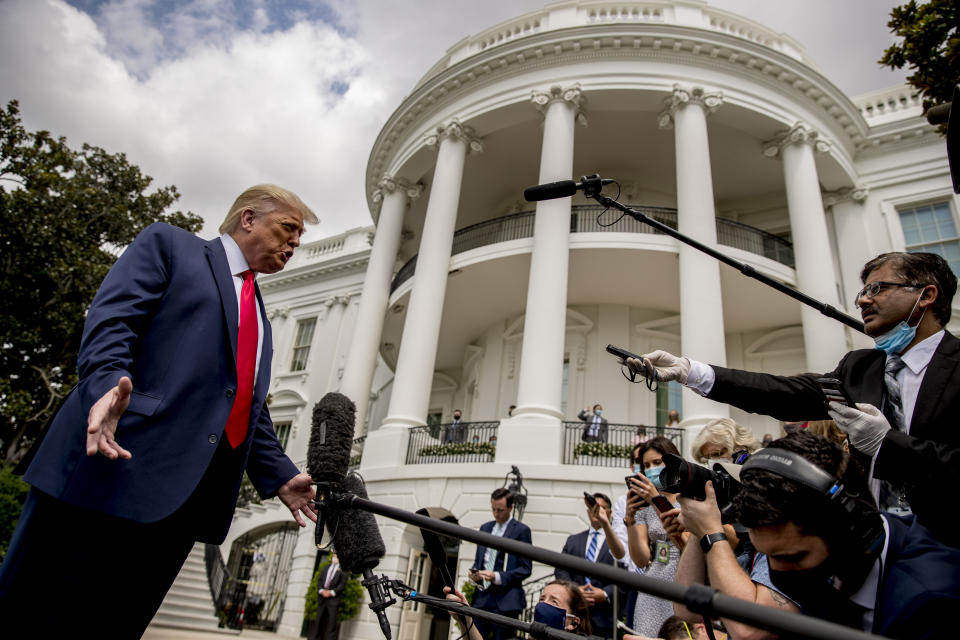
{"x": 907, "y": 390}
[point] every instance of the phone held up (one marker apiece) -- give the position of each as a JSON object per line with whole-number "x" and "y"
{"x": 589, "y": 498}
{"x": 833, "y": 391}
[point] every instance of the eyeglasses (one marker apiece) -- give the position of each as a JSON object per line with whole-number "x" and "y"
{"x": 874, "y": 288}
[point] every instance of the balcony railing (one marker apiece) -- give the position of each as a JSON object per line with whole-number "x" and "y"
{"x": 464, "y": 442}
{"x": 583, "y": 219}
{"x": 615, "y": 446}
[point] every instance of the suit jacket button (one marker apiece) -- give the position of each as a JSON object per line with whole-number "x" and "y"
{"x": 230, "y": 393}
{"x": 212, "y": 439}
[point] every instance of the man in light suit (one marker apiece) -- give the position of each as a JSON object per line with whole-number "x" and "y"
{"x": 595, "y": 427}
{"x": 905, "y": 304}
{"x": 147, "y": 453}
{"x": 591, "y": 544}
{"x": 499, "y": 576}
{"x": 330, "y": 584}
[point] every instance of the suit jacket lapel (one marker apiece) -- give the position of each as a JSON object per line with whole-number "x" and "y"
{"x": 939, "y": 372}
{"x": 217, "y": 258}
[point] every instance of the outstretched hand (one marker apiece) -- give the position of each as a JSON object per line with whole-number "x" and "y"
{"x": 298, "y": 494}
{"x": 667, "y": 365}
{"x": 102, "y": 421}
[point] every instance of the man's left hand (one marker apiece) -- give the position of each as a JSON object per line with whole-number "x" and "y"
{"x": 486, "y": 575}
{"x": 298, "y": 494}
{"x": 700, "y": 517}
{"x": 864, "y": 424}
{"x": 592, "y": 595}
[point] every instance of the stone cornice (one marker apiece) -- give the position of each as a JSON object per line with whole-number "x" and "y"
{"x": 681, "y": 97}
{"x": 669, "y": 43}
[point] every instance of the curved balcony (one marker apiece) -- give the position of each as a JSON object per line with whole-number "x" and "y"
{"x": 583, "y": 219}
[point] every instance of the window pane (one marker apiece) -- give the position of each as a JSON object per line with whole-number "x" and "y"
{"x": 301, "y": 345}
{"x": 282, "y": 430}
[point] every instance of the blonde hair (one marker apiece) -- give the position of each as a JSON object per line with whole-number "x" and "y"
{"x": 265, "y": 198}
{"x": 827, "y": 429}
{"x": 726, "y": 433}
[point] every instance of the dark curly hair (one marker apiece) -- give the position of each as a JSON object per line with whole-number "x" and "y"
{"x": 921, "y": 269}
{"x": 767, "y": 499}
{"x": 660, "y": 444}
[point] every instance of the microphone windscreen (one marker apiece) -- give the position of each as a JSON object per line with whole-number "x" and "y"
{"x": 357, "y": 538}
{"x": 331, "y": 438}
{"x": 550, "y": 191}
{"x": 939, "y": 114}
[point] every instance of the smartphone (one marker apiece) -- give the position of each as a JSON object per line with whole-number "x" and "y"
{"x": 629, "y": 478}
{"x": 589, "y": 498}
{"x": 661, "y": 503}
{"x": 833, "y": 390}
{"x": 621, "y": 353}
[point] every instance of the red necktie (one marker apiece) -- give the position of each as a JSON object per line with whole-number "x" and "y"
{"x": 247, "y": 336}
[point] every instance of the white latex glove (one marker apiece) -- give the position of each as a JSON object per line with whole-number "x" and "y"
{"x": 667, "y": 365}
{"x": 865, "y": 425}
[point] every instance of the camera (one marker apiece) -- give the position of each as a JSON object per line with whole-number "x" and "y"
{"x": 688, "y": 479}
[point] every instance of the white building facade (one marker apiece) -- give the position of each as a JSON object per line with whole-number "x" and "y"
{"x": 466, "y": 297}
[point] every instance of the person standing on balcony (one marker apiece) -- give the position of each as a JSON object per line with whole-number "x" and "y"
{"x": 591, "y": 544}
{"x": 457, "y": 431}
{"x": 499, "y": 578}
{"x": 595, "y": 427}
{"x": 146, "y": 455}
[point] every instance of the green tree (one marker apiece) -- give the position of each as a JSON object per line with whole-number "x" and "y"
{"x": 930, "y": 46}
{"x": 64, "y": 216}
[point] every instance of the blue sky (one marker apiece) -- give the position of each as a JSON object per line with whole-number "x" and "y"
{"x": 215, "y": 95}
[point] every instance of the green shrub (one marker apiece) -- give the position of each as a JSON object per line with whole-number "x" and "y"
{"x": 350, "y": 598}
{"x": 459, "y": 448}
{"x": 603, "y": 449}
{"x": 13, "y": 493}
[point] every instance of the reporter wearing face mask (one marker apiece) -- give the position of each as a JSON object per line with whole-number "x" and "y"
{"x": 906, "y": 390}
{"x": 561, "y": 606}
{"x": 652, "y": 551}
{"x": 721, "y": 440}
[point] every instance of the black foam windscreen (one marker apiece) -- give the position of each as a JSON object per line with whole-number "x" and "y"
{"x": 357, "y": 538}
{"x": 331, "y": 437}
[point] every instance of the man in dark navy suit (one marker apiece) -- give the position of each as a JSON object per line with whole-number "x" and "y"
{"x": 147, "y": 453}
{"x": 591, "y": 544}
{"x": 499, "y": 576}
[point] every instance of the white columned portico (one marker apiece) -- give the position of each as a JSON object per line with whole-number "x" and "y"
{"x": 702, "y": 335}
{"x": 394, "y": 194}
{"x": 824, "y": 338}
{"x": 413, "y": 377}
{"x": 534, "y": 434}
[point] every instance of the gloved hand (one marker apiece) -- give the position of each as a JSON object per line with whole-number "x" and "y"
{"x": 864, "y": 425}
{"x": 667, "y": 366}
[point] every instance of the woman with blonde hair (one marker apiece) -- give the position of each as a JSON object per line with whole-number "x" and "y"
{"x": 721, "y": 438}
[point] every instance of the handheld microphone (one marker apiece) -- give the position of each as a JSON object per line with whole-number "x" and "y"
{"x": 360, "y": 548}
{"x": 328, "y": 452}
{"x": 564, "y": 188}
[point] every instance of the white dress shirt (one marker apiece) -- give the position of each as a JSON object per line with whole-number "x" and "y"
{"x": 238, "y": 264}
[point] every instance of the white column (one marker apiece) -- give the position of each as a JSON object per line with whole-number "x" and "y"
{"x": 340, "y": 305}
{"x": 702, "y": 334}
{"x": 394, "y": 194}
{"x": 413, "y": 377}
{"x": 824, "y": 338}
{"x": 534, "y": 433}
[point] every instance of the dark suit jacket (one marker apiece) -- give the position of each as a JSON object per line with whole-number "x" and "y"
{"x": 508, "y": 595}
{"x": 166, "y": 316}
{"x": 336, "y": 585}
{"x": 601, "y": 616}
{"x": 588, "y": 419}
{"x": 927, "y": 461}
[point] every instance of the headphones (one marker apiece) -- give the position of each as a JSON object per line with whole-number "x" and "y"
{"x": 864, "y": 531}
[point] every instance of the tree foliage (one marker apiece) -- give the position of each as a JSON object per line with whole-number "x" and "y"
{"x": 930, "y": 46}
{"x": 64, "y": 216}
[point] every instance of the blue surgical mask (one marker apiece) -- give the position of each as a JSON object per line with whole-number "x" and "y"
{"x": 896, "y": 340}
{"x": 653, "y": 475}
{"x": 550, "y": 615}
{"x": 598, "y": 412}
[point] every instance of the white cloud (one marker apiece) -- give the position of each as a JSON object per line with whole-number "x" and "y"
{"x": 222, "y": 94}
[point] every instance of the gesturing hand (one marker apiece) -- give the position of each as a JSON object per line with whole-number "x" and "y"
{"x": 102, "y": 421}
{"x": 298, "y": 494}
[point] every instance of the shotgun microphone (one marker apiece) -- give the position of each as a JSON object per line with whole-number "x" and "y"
{"x": 564, "y": 188}
{"x": 328, "y": 452}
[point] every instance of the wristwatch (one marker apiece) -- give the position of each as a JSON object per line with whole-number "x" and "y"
{"x": 707, "y": 541}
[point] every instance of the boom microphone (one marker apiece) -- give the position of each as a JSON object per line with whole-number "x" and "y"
{"x": 564, "y": 188}
{"x": 360, "y": 548}
{"x": 331, "y": 438}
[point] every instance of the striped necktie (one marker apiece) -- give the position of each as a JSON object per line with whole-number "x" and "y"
{"x": 892, "y": 496}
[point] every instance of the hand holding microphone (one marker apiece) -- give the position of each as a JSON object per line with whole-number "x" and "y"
{"x": 864, "y": 424}
{"x": 667, "y": 366}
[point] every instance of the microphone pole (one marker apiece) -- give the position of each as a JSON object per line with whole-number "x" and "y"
{"x": 697, "y": 598}
{"x": 745, "y": 269}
